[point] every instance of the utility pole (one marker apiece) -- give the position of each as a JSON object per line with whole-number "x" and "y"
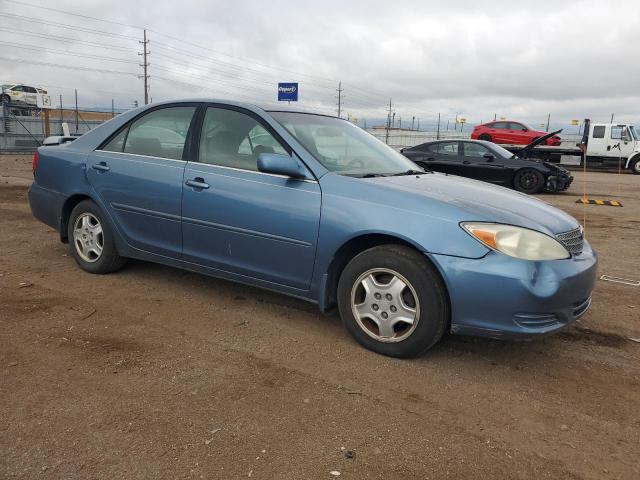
{"x": 145, "y": 65}
{"x": 393, "y": 120}
{"x": 548, "y": 119}
{"x": 418, "y": 124}
{"x": 386, "y": 138}
{"x": 455, "y": 125}
{"x": 447, "y": 124}
{"x": 113, "y": 112}
{"x": 400, "y": 123}
{"x": 61, "y": 115}
{"x": 413, "y": 120}
{"x": 76, "y": 90}
{"x": 611, "y": 118}
{"x": 495, "y": 117}
{"x": 438, "y": 133}
{"x": 339, "y": 90}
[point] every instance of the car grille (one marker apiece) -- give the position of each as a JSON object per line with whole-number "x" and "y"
{"x": 572, "y": 240}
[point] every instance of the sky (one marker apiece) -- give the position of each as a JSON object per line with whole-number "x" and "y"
{"x": 470, "y": 59}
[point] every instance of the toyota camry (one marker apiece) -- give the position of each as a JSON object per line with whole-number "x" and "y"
{"x": 313, "y": 206}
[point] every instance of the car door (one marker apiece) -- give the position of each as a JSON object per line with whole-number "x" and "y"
{"x": 448, "y": 159}
{"x": 30, "y": 95}
{"x": 17, "y": 94}
{"x": 518, "y": 134}
{"x": 482, "y": 164}
{"x": 620, "y": 142}
{"x": 497, "y": 132}
{"x": 138, "y": 176}
{"x": 243, "y": 221}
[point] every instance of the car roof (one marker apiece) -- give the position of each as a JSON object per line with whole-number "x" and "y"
{"x": 449, "y": 140}
{"x": 234, "y": 103}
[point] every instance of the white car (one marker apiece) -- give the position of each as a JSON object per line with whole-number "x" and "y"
{"x": 25, "y": 94}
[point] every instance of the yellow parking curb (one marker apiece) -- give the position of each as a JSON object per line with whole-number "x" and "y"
{"x": 594, "y": 201}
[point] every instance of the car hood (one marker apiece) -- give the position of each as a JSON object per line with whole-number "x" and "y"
{"x": 480, "y": 201}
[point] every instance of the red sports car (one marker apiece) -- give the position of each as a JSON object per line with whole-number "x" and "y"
{"x": 511, "y": 133}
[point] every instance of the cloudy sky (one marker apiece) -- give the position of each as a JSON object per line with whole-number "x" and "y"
{"x": 520, "y": 60}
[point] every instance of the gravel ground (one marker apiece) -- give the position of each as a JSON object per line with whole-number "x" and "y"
{"x": 155, "y": 372}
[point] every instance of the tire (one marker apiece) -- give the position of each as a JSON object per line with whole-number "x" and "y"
{"x": 422, "y": 297}
{"x": 528, "y": 180}
{"x": 4, "y": 98}
{"x": 635, "y": 166}
{"x": 91, "y": 240}
{"x": 486, "y": 137}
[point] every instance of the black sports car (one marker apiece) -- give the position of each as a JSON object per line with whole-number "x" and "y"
{"x": 490, "y": 162}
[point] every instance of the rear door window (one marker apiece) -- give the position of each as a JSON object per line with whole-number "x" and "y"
{"x": 448, "y": 148}
{"x": 116, "y": 144}
{"x": 161, "y": 133}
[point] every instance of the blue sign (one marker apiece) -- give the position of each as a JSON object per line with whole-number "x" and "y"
{"x": 287, "y": 92}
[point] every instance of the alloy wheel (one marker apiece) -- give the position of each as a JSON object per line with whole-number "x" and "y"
{"x": 385, "y": 305}
{"x": 88, "y": 237}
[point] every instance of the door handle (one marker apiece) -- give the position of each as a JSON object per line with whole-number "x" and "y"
{"x": 101, "y": 167}
{"x": 197, "y": 183}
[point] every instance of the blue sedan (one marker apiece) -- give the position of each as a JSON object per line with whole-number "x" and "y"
{"x": 313, "y": 206}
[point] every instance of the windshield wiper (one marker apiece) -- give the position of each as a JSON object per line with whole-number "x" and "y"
{"x": 371, "y": 175}
{"x": 409, "y": 172}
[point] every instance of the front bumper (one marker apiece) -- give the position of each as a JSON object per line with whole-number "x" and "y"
{"x": 502, "y": 297}
{"x": 558, "y": 183}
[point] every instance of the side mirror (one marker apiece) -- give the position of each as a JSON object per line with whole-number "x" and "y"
{"x": 488, "y": 157}
{"x": 280, "y": 164}
{"x": 524, "y": 129}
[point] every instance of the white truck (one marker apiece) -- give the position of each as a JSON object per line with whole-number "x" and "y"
{"x": 602, "y": 145}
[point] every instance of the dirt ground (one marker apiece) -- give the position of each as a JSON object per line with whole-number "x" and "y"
{"x": 159, "y": 373}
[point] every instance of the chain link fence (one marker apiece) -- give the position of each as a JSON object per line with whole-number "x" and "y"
{"x": 24, "y": 128}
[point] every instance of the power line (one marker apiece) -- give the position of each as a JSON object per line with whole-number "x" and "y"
{"x": 64, "y": 52}
{"x": 67, "y": 26}
{"x": 66, "y": 39}
{"x": 73, "y": 14}
{"x": 67, "y": 67}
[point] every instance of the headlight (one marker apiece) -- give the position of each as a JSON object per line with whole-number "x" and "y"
{"x": 517, "y": 242}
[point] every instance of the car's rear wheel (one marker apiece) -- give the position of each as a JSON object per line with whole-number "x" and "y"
{"x": 486, "y": 137}
{"x": 528, "y": 180}
{"x": 635, "y": 166}
{"x": 91, "y": 239}
{"x": 393, "y": 301}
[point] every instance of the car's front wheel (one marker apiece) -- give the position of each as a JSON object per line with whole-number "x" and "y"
{"x": 4, "y": 98}
{"x": 635, "y": 166}
{"x": 528, "y": 180}
{"x": 485, "y": 136}
{"x": 393, "y": 301}
{"x": 91, "y": 239}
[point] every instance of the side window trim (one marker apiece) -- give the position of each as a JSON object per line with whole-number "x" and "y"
{"x": 127, "y": 127}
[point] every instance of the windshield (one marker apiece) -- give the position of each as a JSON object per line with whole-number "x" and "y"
{"x": 342, "y": 147}
{"x": 502, "y": 152}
